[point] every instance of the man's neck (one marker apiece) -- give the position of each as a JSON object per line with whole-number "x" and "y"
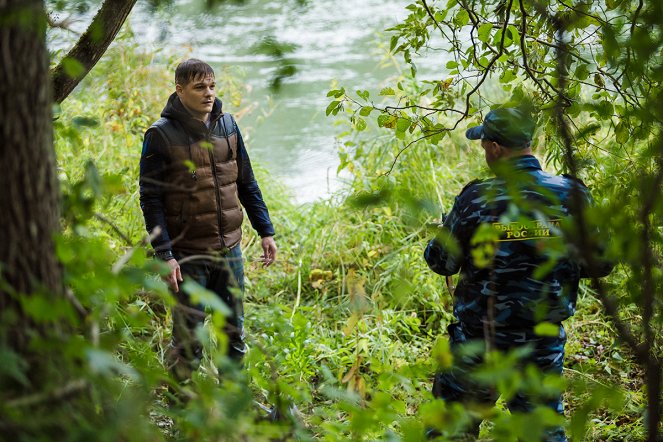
{"x": 201, "y": 117}
{"x": 504, "y": 165}
{"x": 508, "y": 153}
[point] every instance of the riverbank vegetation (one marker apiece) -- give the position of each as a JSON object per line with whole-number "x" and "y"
{"x": 348, "y": 326}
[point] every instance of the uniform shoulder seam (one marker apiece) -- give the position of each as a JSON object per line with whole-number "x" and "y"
{"x": 470, "y": 184}
{"x": 574, "y": 178}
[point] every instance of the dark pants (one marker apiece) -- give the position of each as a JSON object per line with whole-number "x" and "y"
{"x": 457, "y": 386}
{"x": 223, "y": 275}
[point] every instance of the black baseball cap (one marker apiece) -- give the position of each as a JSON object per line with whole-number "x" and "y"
{"x": 508, "y": 126}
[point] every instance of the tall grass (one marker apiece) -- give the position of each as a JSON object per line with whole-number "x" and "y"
{"x": 343, "y": 325}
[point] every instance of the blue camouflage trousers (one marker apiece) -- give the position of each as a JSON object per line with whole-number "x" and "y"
{"x": 457, "y": 386}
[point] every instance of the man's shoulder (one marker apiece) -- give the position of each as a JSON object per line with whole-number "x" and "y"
{"x": 162, "y": 122}
{"x": 476, "y": 185}
{"x": 574, "y": 180}
{"x": 159, "y": 126}
{"x": 168, "y": 130}
{"x": 563, "y": 183}
{"x": 226, "y": 125}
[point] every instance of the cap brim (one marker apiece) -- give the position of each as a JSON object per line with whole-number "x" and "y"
{"x": 474, "y": 133}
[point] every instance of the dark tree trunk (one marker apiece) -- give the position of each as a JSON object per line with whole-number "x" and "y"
{"x": 91, "y": 46}
{"x": 28, "y": 185}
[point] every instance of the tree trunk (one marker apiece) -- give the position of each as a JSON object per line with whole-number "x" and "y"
{"x": 91, "y": 46}
{"x": 28, "y": 185}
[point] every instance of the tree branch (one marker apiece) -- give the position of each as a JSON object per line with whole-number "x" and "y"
{"x": 523, "y": 49}
{"x": 643, "y": 352}
{"x": 60, "y": 393}
{"x": 91, "y": 46}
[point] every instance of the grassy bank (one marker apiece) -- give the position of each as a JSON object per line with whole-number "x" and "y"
{"x": 343, "y": 325}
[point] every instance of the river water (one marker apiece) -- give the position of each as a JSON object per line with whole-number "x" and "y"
{"x": 287, "y": 132}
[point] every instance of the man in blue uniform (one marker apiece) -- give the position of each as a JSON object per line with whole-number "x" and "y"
{"x": 509, "y": 238}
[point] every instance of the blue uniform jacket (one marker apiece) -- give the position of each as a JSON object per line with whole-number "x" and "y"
{"x": 506, "y": 235}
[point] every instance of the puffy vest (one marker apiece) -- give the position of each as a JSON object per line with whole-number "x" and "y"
{"x": 203, "y": 211}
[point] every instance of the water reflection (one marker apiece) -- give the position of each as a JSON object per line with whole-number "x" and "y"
{"x": 334, "y": 41}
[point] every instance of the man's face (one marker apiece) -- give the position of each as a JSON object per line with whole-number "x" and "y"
{"x": 198, "y": 96}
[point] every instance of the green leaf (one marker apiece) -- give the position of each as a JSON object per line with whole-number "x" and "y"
{"x": 360, "y": 124}
{"x": 387, "y": 91}
{"x": 546, "y": 329}
{"x": 106, "y": 363}
{"x": 13, "y": 366}
{"x": 72, "y": 67}
{"x": 79, "y": 122}
{"x": 200, "y": 295}
{"x": 190, "y": 165}
{"x": 621, "y": 133}
{"x": 442, "y": 353}
{"x": 483, "y": 245}
{"x": 440, "y": 16}
{"x": 331, "y": 106}
{"x": 462, "y": 18}
{"x": 402, "y": 124}
{"x": 605, "y": 109}
{"x": 363, "y": 94}
{"x": 598, "y": 80}
{"x": 365, "y": 111}
{"x": 393, "y": 43}
{"x": 507, "y": 76}
{"x": 336, "y": 93}
{"x": 613, "y": 4}
{"x": 451, "y": 64}
{"x": 383, "y": 119}
{"x": 515, "y": 35}
{"x": 483, "y": 33}
{"x": 582, "y": 72}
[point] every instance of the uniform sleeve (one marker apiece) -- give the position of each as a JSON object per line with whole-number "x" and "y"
{"x": 444, "y": 253}
{"x": 249, "y": 193}
{"x": 152, "y": 166}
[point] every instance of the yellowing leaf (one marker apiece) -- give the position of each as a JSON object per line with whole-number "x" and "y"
{"x": 547, "y": 329}
{"x": 442, "y": 353}
{"x": 351, "y": 324}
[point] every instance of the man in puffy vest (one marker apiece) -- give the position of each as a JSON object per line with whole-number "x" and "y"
{"x": 510, "y": 237}
{"x": 194, "y": 174}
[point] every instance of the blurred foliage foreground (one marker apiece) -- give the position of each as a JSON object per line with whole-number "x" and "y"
{"x": 348, "y": 326}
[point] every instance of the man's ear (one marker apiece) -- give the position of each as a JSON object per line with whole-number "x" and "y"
{"x": 495, "y": 149}
{"x": 178, "y": 89}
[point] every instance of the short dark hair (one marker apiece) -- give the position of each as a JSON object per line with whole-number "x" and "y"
{"x": 191, "y": 69}
{"x": 495, "y": 140}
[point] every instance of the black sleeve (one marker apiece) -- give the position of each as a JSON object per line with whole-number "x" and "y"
{"x": 249, "y": 192}
{"x": 443, "y": 253}
{"x": 152, "y": 166}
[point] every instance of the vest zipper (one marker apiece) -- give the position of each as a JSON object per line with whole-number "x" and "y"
{"x": 216, "y": 184}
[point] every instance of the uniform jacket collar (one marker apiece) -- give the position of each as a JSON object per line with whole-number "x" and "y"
{"x": 524, "y": 162}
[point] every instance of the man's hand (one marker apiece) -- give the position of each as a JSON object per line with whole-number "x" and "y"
{"x": 269, "y": 251}
{"x": 175, "y": 275}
